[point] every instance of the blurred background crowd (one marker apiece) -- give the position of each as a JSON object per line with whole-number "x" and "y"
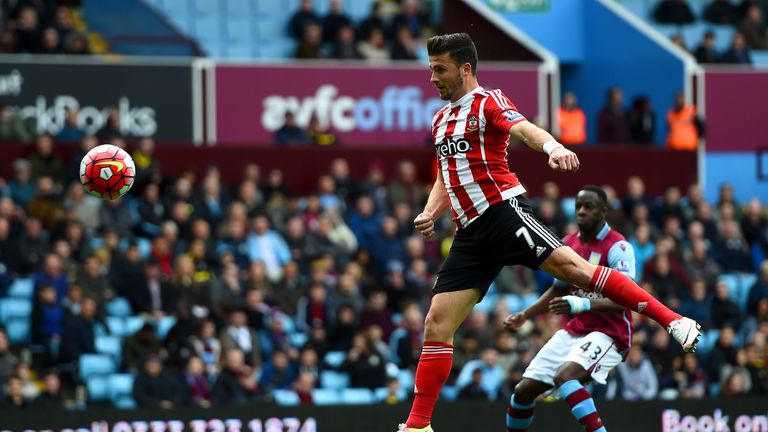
{"x": 190, "y": 291}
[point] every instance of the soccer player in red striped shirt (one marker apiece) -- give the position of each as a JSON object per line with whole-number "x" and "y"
{"x": 496, "y": 226}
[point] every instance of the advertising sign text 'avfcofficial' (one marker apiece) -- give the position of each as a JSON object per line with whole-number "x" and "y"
{"x": 362, "y": 105}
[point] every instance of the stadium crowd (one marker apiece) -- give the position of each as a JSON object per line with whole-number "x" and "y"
{"x": 249, "y": 288}
{"x": 746, "y": 17}
{"x": 42, "y": 27}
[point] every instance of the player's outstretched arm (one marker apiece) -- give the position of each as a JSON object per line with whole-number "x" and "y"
{"x": 437, "y": 204}
{"x": 515, "y": 320}
{"x": 571, "y": 305}
{"x": 560, "y": 158}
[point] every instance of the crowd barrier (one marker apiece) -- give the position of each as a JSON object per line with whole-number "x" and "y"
{"x": 708, "y": 415}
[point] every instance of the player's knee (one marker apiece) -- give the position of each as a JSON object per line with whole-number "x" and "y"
{"x": 436, "y": 328}
{"x": 524, "y": 392}
{"x": 563, "y": 376}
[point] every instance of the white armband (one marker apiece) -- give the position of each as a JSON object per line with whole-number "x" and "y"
{"x": 549, "y": 146}
{"x": 578, "y": 304}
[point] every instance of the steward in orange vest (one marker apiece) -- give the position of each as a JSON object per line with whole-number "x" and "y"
{"x": 573, "y": 122}
{"x": 685, "y": 127}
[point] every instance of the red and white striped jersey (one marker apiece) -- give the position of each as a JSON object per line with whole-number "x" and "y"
{"x": 471, "y": 137}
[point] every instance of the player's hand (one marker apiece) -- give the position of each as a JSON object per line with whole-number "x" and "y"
{"x": 569, "y": 304}
{"x": 562, "y": 159}
{"x": 514, "y": 321}
{"x": 425, "y": 224}
{"x": 559, "y": 306}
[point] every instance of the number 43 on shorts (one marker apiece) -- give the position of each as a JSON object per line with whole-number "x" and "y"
{"x": 596, "y": 351}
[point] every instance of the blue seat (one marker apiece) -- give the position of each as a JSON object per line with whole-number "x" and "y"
{"x": 449, "y": 393}
{"x": 95, "y": 364}
{"x": 120, "y": 386}
{"x": 568, "y": 205}
{"x": 12, "y": 307}
{"x": 514, "y": 302}
{"x": 240, "y": 8}
{"x": 164, "y": 326}
{"x": 334, "y": 380}
{"x": 119, "y": 307}
{"x": 382, "y": 393}
{"x": 269, "y": 30}
{"x": 238, "y": 30}
{"x": 98, "y": 387}
{"x": 133, "y": 324}
{"x": 207, "y": 29}
{"x": 22, "y": 287}
{"x": 334, "y": 359}
{"x": 286, "y": 397}
{"x": 406, "y": 378}
{"x": 723, "y": 36}
{"x": 239, "y": 49}
{"x": 357, "y": 396}
{"x": 708, "y": 340}
{"x": 109, "y": 345}
{"x": 326, "y": 397}
{"x": 125, "y": 402}
{"x": 270, "y": 8}
{"x": 176, "y": 7}
{"x": 760, "y": 59}
{"x": 206, "y": 7}
{"x": 298, "y": 339}
{"x": 17, "y": 330}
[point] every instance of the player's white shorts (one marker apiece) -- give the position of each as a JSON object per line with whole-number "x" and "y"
{"x": 595, "y": 352}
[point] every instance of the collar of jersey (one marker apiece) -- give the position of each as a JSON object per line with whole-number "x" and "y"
{"x": 603, "y": 232}
{"x": 466, "y": 97}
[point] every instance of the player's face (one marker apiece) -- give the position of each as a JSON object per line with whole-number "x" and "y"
{"x": 590, "y": 213}
{"x": 446, "y": 76}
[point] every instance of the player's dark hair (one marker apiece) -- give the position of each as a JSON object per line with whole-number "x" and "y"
{"x": 601, "y": 195}
{"x": 459, "y": 47}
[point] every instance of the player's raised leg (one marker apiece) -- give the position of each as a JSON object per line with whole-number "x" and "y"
{"x": 447, "y": 312}
{"x": 565, "y": 264}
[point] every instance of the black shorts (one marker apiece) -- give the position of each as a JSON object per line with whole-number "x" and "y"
{"x": 507, "y": 233}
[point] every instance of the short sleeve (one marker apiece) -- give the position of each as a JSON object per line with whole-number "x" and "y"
{"x": 501, "y": 112}
{"x": 621, "y": 257}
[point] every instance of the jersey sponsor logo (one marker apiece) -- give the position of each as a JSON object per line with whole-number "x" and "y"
{"x": 511, "y": 115}
{"x": 451, "y": 147}
{"x": 594, "y": 258}
{"x": 473, "y": 123}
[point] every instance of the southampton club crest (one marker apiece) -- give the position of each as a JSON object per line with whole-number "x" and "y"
{"x": 473, "y": 123}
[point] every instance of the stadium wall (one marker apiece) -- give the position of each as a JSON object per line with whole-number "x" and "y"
{"x": 737, "y": 415}
{"x": 737, "y": 135}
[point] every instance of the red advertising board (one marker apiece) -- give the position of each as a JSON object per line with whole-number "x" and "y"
{"x": 365, "y": 105}
{"x": 735, "y": 110}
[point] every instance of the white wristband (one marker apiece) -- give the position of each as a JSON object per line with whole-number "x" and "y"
{"x": 549, "y": 146}
{"x": 578, "y": 304}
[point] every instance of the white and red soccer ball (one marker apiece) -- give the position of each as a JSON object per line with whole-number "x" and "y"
{"x": 107, "y": 172}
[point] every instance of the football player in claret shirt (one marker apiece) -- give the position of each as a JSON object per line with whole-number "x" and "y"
{"x": 596, "y": 337}
{"x": 496, "y": 226}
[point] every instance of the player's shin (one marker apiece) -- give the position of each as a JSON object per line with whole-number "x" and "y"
{"x": 623, "y": 291}
{"x": 431, "y": 373}
{"x": 519, "y": 416}
{"x": 582, "y": 406}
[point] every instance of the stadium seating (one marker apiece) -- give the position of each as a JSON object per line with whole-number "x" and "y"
{"x": 95, "y": 364}
{"x": 245, "y": 28}
{"x": 120, "y": 389}
{"x": 109, "y": 345}
{"x": 12, "y": 307}
{"x": 18, "y": 330}
{"x": 334, "y": 359}
{"x": 285, "y": 397}
{"x": 98, "y": 387}
{"x": 326, "y": 396}
{"x": 118, "y": 307}
{"x": 357, "y": 396}
{"x": 334, "y": 380}
{"x": 22, "y": 288}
